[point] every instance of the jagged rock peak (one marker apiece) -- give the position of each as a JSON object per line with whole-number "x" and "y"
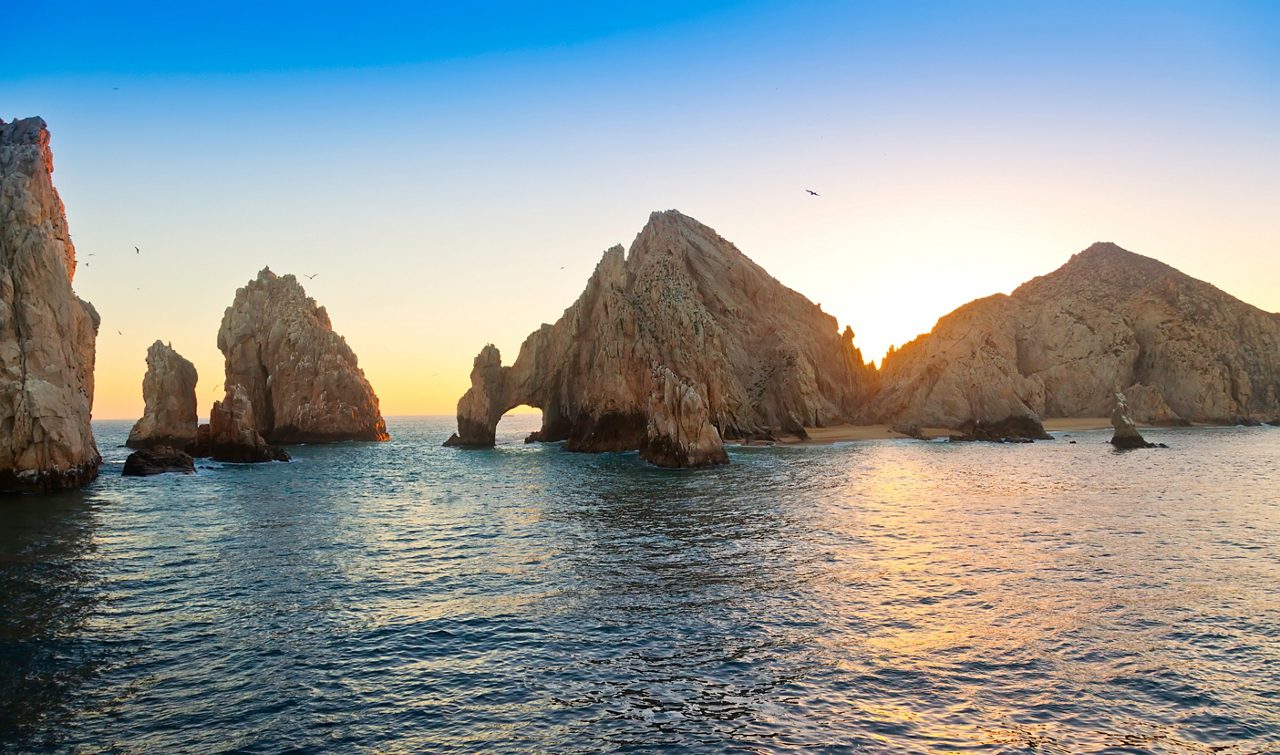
{"x": 673, "y": 347}
{"x": 47, "y": 334}
{"x": 1064, "y": 343}
{"x": 169, "y": 395}
{"x": 303, "y": 381}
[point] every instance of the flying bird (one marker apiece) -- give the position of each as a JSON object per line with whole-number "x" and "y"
{"x": 136, "y": 250}
{"x": 814, "y": 193}
{"x": 310, "y": 277}
{"x": 119, "y": 333}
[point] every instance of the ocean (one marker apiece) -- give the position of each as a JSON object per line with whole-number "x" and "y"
{"x": 882, "y": 596}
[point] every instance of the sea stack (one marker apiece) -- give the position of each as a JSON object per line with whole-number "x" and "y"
{"x": 301, "y": 379}
{"x": 1126, "y": 432}
{"x": 47, "y": 334}
{"x": 674, "y": 346}
{"x": 233, "y": 434}
{"x": 1180, "y": 349}
{"x": 169, "y": 391}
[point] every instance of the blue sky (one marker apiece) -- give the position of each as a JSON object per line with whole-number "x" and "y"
{"x": 438, "y": 164}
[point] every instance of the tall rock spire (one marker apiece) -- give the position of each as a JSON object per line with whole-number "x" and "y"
{"x": 47, "y": 334}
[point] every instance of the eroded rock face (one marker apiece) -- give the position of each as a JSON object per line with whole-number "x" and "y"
{"x": 1126, "y": 432}
{"x": 169, "y": 390}
{"x": 301, "y": 378}
{"x": 158, "y": 460}
{"x": 1064, "y": 343}
{"x": 674, "y": 347}
{"x": 47, "y": 334}
{"x": 963, "y": 376}
{"x": 233, "y": 434}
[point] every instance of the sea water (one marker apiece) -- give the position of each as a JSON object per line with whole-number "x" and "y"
{"x": 885, "y": 596}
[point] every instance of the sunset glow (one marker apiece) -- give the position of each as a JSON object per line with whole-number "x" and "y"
{"x": 433, "y": 226}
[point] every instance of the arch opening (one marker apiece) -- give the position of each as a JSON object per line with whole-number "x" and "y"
{"x": 519, "y": 424}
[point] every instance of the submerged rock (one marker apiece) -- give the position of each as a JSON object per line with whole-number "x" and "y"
{"x": 673, "y": 348}
{"x": 233, "y": 435}
{"x": 47, "y": 334}
{"x": 301, "y": 378}
{"x": 1126, "y": 432}
{"x": 158, "y": 460}
{"x": 1181, "y": 349}
{"x": 169, "y": 391}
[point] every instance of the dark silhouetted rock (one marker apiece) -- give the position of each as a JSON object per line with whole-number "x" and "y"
{"x": 1126, "y": 432}
{"x": 1008, "y": 430}
{"x": 232, "y": 433}
{"x": 200, "y": 448}
{"x": 158, "y": 460}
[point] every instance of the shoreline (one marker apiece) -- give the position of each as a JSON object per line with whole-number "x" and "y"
{"x": 846, "y": 433}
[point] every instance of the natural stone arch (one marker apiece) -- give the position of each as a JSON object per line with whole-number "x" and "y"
{"x": 669, "y": 350}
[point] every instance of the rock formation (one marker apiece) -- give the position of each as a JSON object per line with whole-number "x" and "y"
{"x": 675, "y": 346}
{"x": 47, "y": 334}
{"x": 233, "y": 434}
{"x": 1126, "y": 432}
{"x": 158, "y": 460}
{"x": 1062, "y": 344}
{"x": 169, "y": 391}
{"x": 302, "y": 380}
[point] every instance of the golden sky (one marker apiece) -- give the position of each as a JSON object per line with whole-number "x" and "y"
{"x": 957, "y": 154}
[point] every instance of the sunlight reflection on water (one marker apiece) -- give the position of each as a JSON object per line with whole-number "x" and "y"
{"x": 884, "y": 596}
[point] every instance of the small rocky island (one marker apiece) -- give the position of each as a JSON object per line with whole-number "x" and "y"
{"x": 1126, "y": 434}
{"x": 674, "y": 347}
{"x": 302, "y": 381}
{"x": 47, "y": 334}
{"x": 289, "y": 379}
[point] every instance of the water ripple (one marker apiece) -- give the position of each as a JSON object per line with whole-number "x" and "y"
{"x": 874, "y": 597}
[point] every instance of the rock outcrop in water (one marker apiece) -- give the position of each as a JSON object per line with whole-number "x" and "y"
{"x": 1126, "y": 432}
{"x": 169, "y": 392}
{"x": 674, "y": 347}
{"x": 1063, "y": 344}
{"x": 302, "y": 380}
{"x": 233, "y": 434}
{"x": 47, "y": 334}
{"x": 158, "y": 460}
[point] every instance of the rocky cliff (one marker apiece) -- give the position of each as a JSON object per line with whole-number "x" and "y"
{"x": 169, "y": 394}
{"x": 47, "y": 334}
{"x": 1063, "y": 344}
{"x": 673, "y": 347}
{"x": 302, "y": 380}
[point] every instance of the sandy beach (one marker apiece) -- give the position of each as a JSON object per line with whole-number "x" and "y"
{"x": 843, "y": 433}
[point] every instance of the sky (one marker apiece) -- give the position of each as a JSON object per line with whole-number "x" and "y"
{"x": 435, "y": 166}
